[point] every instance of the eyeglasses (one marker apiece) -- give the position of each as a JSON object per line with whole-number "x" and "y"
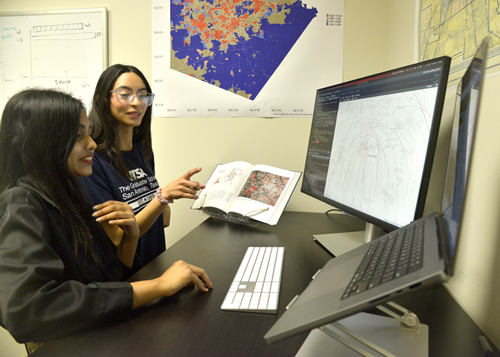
{"x": 126, "y": 97}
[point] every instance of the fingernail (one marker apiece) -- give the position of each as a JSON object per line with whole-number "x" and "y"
{"x": 195, "y": 197}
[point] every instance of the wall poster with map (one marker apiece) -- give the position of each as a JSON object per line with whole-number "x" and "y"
{"x": 456, "y": 29}
{"x": 244, "y": 58}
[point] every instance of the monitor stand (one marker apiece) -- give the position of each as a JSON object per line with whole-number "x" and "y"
{"x": 340, "y": 243}
{"x": 375, "y": 336}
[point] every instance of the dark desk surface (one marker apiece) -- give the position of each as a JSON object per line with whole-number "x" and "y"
{"x": 191, "y": 323}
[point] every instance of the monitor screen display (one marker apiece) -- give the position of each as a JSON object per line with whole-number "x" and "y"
{"x": 372, "y": 143}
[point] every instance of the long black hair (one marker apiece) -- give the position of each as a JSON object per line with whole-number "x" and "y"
{"x": 104, "y": 127}
{"x": 37, "y": 134}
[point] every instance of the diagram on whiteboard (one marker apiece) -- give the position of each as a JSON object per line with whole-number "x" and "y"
{"x": 382, "y": 169}
{"x": 236, "y": 46}
{"x": 62, "y": 51}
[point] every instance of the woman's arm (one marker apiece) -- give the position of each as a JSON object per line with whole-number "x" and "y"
{"x": 166, "y": 216}
{"x": 182, "y": 187}
{"x": 118, "y": 220}
{"x": 179, "y": 275}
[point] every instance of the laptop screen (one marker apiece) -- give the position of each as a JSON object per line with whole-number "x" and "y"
{"x": 462, "y": 136}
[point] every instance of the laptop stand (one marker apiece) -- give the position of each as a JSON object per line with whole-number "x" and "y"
{"x": 375, "y": 336}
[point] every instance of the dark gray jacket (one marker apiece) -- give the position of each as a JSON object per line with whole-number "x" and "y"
{"x": 45, "y": 291}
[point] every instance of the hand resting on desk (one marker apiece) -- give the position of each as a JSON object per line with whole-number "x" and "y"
{"x": 179, "y": 275}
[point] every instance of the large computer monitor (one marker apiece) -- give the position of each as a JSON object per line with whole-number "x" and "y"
{"x": 372, "y": 145}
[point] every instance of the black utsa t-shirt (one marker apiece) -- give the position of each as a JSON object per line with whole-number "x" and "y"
{"x": 106, "y": 183}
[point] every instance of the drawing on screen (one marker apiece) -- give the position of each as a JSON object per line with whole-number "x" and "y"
{"x": 388, "y": 165}
{"x": 264, "y": 187}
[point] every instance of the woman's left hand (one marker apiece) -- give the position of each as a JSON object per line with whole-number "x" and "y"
{"x": 118, "y": 214}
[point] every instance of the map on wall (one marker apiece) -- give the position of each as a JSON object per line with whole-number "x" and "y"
{"x": 263, "y": 58}
{"x": 236, "y": 46}
{"x": 456, "y": 28}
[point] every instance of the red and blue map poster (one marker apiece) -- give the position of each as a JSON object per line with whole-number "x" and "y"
{"x": 209, "y": 53}
{"x": 235, "y": 45}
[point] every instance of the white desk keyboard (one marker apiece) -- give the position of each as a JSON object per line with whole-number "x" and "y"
{"x": 256, "y": 286}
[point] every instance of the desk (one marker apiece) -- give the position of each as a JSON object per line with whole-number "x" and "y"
{"x": 191, "y": 323}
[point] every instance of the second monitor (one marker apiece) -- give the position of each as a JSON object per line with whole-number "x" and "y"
{"x": 372, "y": 145}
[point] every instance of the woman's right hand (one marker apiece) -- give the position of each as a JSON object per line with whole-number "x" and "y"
{"x": 179, "y": 275}
{"x": 182, "y": 274}
{"x": 183, "y": 187}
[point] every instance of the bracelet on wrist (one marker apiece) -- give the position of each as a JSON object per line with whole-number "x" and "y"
{"x": 161, "y": 199}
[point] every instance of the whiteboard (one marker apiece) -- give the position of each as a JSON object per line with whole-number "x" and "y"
{"x": 63, "y": 49}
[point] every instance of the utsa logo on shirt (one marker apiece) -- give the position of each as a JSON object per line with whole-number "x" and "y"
{"x": 137, "y": 174}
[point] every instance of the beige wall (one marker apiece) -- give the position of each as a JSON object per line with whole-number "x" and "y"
{"x": 378, "y": 35}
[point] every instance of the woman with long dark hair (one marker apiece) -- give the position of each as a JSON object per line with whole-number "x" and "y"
{"x": 124, "y": 168}
{"x": 59, "y": 271}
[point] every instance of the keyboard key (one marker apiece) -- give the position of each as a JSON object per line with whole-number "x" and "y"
{"x": 234, "y": 287}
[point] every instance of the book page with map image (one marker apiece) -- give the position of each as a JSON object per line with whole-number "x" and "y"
{"x": 239, "y": 188}
{"x": 264, "y": 187}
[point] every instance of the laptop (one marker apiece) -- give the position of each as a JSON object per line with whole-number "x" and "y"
{"x": 339, "y": 290}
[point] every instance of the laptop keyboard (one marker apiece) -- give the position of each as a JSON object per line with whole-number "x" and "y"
{"x": 256, "y": 286}
{"x": 389, "y": 258}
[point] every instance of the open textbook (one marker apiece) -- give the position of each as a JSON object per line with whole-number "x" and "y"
{"x": 241, "y": 189}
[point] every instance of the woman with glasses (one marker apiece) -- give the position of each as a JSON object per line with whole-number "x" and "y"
{"x": 124, "y": 168}
{"x": 59, "y": 271}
